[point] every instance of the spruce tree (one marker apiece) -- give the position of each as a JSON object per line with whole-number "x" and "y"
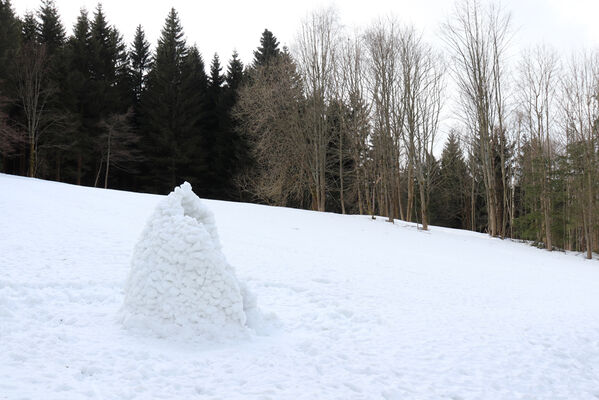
{"x": 79, "y": 44}
{"x": 449, "y": 202}
{"x": 122, "y": 82}
{"x": 105, "y": 85}
{"x": 10, "y": 37}
{"x": 101, "y": 47}
{"x": 57, "y": 136}
{"x": 234, "y": 73}
{"x": 51, "y": 31}
{"x": 109, "y": 65}
{"x": 78, "y": 98}
{"x": 140, "y": 57}
{"x": 223, "y": 148}
{"x": 194, "y": 89}
{"x": 212, "y": 136}
{"x": 29, "y": 29}
{"x": 171, "y": 49}
{"x": 161, "y": 104}
{"x": 237, "y": 155}
{"x": 78, "y": 60}
{"x": 216, "y": 77}
{"x": 51, "y": 34}
{"x": 268, "y": 50}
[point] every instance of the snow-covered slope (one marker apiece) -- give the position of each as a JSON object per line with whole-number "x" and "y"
{"x": 366, "y": 309}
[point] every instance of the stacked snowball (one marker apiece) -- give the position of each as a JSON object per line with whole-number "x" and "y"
{"x": 179, "y": 276}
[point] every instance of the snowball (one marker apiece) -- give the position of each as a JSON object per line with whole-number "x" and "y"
{"x": 179, "y": 276}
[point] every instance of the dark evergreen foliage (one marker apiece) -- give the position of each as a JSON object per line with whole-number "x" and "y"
{"x": 140, "y": 57}
{"x": 450, "y": 208}
{"x": 176, "y": 119}
{"x": 29, "y": 29}
{"x": 10, "y": 37}
{"x": 234, "y": 76}
{"x": 216, "y": 77}
{"x": 165, "y": 125}
{"x": 51, "y": 32}
{"x": 268, "y": 50}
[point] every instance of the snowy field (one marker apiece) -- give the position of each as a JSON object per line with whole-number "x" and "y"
{"x": 364, "y": 309}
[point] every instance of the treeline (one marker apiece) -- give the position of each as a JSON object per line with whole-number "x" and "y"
{"x": 90, "y": 109}
{"x": 342, "y": 122}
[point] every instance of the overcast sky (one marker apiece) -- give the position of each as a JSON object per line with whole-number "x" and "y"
{"x": 224, "y": 26}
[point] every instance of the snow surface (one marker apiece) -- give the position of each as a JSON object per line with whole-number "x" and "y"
{"x": 180, "y": 281}
{"x": 366, "y": 309}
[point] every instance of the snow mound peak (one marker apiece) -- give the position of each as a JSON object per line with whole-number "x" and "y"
{"x": 180, "y": 280}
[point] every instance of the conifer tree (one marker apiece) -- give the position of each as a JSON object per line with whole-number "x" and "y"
{"x": 10, "y": 37}
{"x": 216, "y": 77}
{"x": 193, "y": 71}
{"x": 109, "y": 65}
{"x": 268, "y": 50}
{"x": 77, "y": 97}
{"x": 29, "y": 29}
{"x": 101, "y": 47}
{"x": 161, "y": 104}
{"x": 449, "y": 208}
{"x": 194, "y": 89}
{"x": 234, "y": 72}
{"x": 122, "y": 82}
{"x": 171, "y": 49}
{"x": 78, "y": 62}
{"x": 51, "y": 34}
{"x": 57, "y": 138}
{"x": 231, "y": 149}
{"x": 51, "y": 31}
{"x": 212, "y": 137}
{"x": 102, "y": 79}
{"x": 79, "y": 43}
{"x": 140, "y": 57}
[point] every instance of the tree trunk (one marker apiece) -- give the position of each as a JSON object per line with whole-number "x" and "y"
{"x": 58, "y": 165}
{"x": 107, "y": 160}
{"x": 32, "y": 155}
{"x": 589, "y": 217}
{"x": 423, "y": 208}
{"x": 472, "y": 205}
{"x": 79, "y": 166}
{"x": 410, "y": 192}
{"x": 341, "y": 189}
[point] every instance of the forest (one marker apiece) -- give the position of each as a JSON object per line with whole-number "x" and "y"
{"x": 462, "y": 132}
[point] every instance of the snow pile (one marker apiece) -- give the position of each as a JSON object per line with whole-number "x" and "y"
{"x": 180, "y": 280}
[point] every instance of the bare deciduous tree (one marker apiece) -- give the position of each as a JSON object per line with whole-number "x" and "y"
{"x": 382, "y": 43}
{"x": 316, "y": 54}
{"x": 33, "y": 91}
{"x": 581, "y": 119}
{"x": 270, "y": 109}
{"x": 477, "y": 38}
{"x": 422, "y": 83}
{"x": 539, "y": 70}
{"x": 352, "y": 76}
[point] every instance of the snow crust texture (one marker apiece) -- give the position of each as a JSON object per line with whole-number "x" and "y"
{"x": 180, "y": 281}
